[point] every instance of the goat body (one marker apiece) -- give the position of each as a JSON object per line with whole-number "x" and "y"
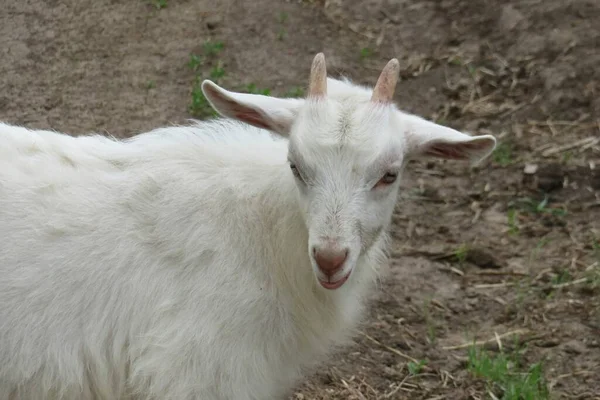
{"x": 172, "y": 265}
{"x": 176, "y": 264}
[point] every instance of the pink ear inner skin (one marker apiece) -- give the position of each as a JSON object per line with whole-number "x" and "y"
{"x": 251, "y": 117}
{"x": 246, "y": 114}
{"x": 457, "y": 151}
{"x": 448, "y": 151}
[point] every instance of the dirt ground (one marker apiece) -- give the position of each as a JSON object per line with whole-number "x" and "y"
{"x": 507, "y": 253}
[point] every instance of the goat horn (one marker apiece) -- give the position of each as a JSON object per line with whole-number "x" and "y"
{"x": 318, "y": 77}
{"x": 386, "y": 84}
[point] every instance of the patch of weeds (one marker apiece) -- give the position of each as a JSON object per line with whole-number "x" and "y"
{"x": 211, "y": 49}
{"x": 472, "y": 70}
{"x": 566, "y": 157}
{"x": 533, "y": 256}
{"x": 430, "y": 322}
{"x": 593, "y": 278}
{"x": 195, "y": 62}
{"x": 366, "y": 52}
{"x": 513, "y": 227}
{"x": 506, "y": 378}
{"x": 282, "y": 18}
{"x": 296, "y": 91}
{"x": 503, "y": 154}
{"x": 416, "y": 368}
{"x": 253, "y": 89}
{"x": 596, "y": 247}
{"x": 455, "y": 60}
{"x": 533, "y": 207}
{"x": 461, "y": 254}
{"x": 541, "y": 207}
{"x": 199, "y": 106}
{"x": 562, "y": 276}
{"x": 159, "y": 4}
{"x": 558, "y": 278}
{"x": 217, "y": 72}
{"x": 522, "y": 289}
{"x": 593, "y": 273}
{"x": 150, "y": 84}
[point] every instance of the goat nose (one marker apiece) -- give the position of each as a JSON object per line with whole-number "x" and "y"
{"x": 330, "y": 260}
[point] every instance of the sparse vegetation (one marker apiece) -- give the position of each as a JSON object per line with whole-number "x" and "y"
{"x": 296, "y": 91}
{"x": 252, "y": 88}
{"x": 366, "y": 52}
{"x": 281, "y": 19}
{"x": 217, "y": 72}
{"x": 461, "y": 254}
{"x": 212, "y": 49}
{"x": 195, "y": 62}
{"x": 199, "y": 106}
{"x": 159, "y": 4}
{"x": 430, "y": 321}
{"x": 506, "y": 379}
{"x": 562, "y": 276}
{"x": 513, "y": 226}
{"x": 529, "y": 206}
{"x": 415, "y": 368}
{"x": 503, "y": 154}
{"x": 592, "y": 276}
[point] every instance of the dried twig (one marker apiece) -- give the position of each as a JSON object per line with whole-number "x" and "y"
{"x": 484, "y": 342}
{"x": 569, "y": 146}
{"x": 397, "y": 352}
{"x": 555, "y": 380}
{"x": 353, "y": 391}
{"x": 493, "y": 285}
{"x": 575, "y": 282}
{"x": 496, "y": 273}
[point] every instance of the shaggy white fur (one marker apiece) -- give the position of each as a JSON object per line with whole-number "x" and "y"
{"x": 177, "y": 264}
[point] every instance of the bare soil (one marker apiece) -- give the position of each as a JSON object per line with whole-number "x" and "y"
{"x": 511, "y": 246}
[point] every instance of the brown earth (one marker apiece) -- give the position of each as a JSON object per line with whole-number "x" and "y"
{"x": 509, "y": 246}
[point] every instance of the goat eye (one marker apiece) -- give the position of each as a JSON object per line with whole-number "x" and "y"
{"x": 387, "y": 179}
{"x": 295, "y": 171}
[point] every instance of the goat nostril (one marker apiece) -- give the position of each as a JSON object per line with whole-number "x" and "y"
{"x": 330, "y": 261}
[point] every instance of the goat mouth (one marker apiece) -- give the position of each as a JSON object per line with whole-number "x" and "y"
{"x": 335, "y": 285}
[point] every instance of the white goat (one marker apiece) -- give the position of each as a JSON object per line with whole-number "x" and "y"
{"x": 217, "y": 261}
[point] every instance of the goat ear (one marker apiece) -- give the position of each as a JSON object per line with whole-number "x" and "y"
{"x": 265, "y": 112}
{"x": 427, "y": 138}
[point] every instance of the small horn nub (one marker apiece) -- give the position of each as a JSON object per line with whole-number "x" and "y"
{"x": 317, "y": 86}
{"x": 386, "y": 84}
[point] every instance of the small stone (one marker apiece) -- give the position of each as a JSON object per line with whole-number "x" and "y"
{"x": 482, "y": 259}
{"x": 574, "y": 347}
{"x": 390, "y": 372}
{"x": 530, "y": 169}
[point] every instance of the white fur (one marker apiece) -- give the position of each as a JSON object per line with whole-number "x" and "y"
{"x": 175, "y": 264}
